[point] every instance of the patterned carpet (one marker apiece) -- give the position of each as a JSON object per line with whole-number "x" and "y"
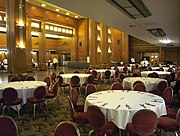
{"x": 45, "y": 122}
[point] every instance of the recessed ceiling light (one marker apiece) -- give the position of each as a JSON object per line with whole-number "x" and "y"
{"x": 57, "y": 10}
{"x": 43, "y": 5}
{"x": 165, "y": 41}
{"x": 67, "y": 13}
{"x": 76, "y": 16}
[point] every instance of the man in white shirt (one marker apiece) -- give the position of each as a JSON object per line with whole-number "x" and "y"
{"x": 144, "y": 63}
{"x": 55, "y": 62}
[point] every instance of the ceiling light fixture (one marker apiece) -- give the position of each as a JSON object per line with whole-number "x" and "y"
{"x": 43, "y": 5}
{"x": 165, "y": 40}
{"x": 57, "y": 10}
{"x": 133, "y": 8}
{"x": 158, "y": 32}
{"x": 67, "y": 13}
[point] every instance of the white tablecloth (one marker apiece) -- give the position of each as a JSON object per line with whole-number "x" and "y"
{"x": 130, "y": 102}
{"x": 25, "y": 89}
{"x": 121, "y": 68}
{"x": 161, "y": 74}
{"x": 165, "y": 68}
{"x": 150, "y": 83}
{"x": 67, "y": 77}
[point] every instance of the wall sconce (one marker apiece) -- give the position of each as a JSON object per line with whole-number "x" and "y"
{"x": 99, "y": 49}
{"x": 109, "y": 49}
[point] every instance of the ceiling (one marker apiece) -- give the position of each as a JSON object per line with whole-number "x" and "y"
{"x": 165, "y": 15}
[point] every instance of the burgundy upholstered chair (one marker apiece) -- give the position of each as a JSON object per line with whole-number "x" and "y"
{"x": 90, "y": 89}
{"x": 53, "y": 77}
{"x": 47, "y": 79}
{"x": 10, "y": 97}
{"x": 116, "y": 86}
{"x": 76, "y": 71}
{"x": 30, "y": 78}
{"x": 62, "y": 84}
{"x": 137, "y": 82}
{"x": 168, "y": 124}
{"x": 135, "y": 75}
{"x": 8, "y": 126}
{"x": 66, "y": 128}
{"x": 74, "y": 95}
{"x": 144, "y": 123}
{"x": 15, "y": 79}
{"x": 161, "y": 87}
{"x": 168, "y": 79}
{"x": 98, "y": 122}
{"x": 140, "y": 87}
{"x": 168, "y": 96}
{"x": 53, "y": 94}
{"x": 94, "y": 73}
{"x": 77, "y": 117}
{"x": 75, "y": 82}
{"x": 39, "y": 97}
{"x": 122, "y": 76}
{"x": 89, "y": 80}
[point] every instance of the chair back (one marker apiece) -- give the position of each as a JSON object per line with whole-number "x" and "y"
{"x": 90, "y": 89}
{"x": 74, "y": 95}
{"x": 8, "y": 126}
{"x": 40, "y": 92}
{"x": 117, "y": 86}
{"x": 75, "y": 80}
{"x": 15, "y": 79}
{"x": 117, "y": 73}
{"x": 47, "y": 79}
{"x": 135, "y": 75}
{"x": 60, "y": 79}
{"x": 76, "y": 71}
{"x": 151, "y": 75}
{"x": 144, "y": 122}
{"x": 168, "y": 79}
{"x": 155, "y": 75}
{"x": 90, "y": 79}
{"x": 66, "y": 128}
{"x": 55, "y": 87}
{"x": 71, "y": 108}
{"x": 140, "y": 87}
{"x": 161, "y": 86}
{"x": 94, "y": 73}
{"x": 178, "y": 117}
{"x": 121, "y": 76}
{"x": 61, "y": 72}
{"x": 107, "y": 73}
{"x": 125, "y": 69}
{"x": 30, "y": 78}
{"x": 168, "y": 96}
{"x": 53, "y": 77}
{"x": 136, "y": 82}
{"x": 9, "y": 94}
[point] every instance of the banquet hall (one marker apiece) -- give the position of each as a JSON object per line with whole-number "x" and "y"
{"x": 61, "y": 59}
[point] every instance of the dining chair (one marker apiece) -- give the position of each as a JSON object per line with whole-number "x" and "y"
{"x": 77, "y": 117}
{"x": 75, "y": 83}
{"x": 74, "y": 95}
{"x": 168, "y": 96}
{"x": 151, "y": 75}
{"x": 61, "y": 72}
{"x": 98, "y": 123}
{"x": 116, "y": 86}
{"x": 122, "y": 76}
{"x": 8, "y": 126}
{"x": 140, "y": 87}
{"x": 62, "y": 84}
{"x": 161, "y": 87}
{"x": 144, "y": 123}
{"x": 89, "y": 80}
{"x": 155, "y": 75}
{"x": 53, "y": 77}
{"x": 51, "y": 95}
{"x": 39, "y": 97}
{"x": 137, "y": 82}
{"x": 66, "y": 128}
{"x": 168, "y": 124}
{"x": 135, "y": 75}
{"x": 47, "y": 79}
{"x": 10, "y": 97}
{"x": 30, "y": 78}
{"x": 90, "y": 89}
{"x": 76, "y": 71}
{"x": 94, "y": 73}
{"x": 168, "y": 78}
{"x": 15, "y": 79}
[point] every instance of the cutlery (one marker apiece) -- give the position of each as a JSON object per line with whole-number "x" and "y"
{"x": 122, "y": 98}
{"x": 128, "y": 106}
{"x": 143, "y": 105}
{"x": 118, "y": 106}
{"x": 149, "y": 104}
{"x": 104, "y": 104}
{"x": 157, "y": 101}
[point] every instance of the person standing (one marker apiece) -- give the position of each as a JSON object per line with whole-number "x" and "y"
{"x": 55, "y": 62}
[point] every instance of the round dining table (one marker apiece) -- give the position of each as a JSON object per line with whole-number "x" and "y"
{"x": 161, "y": 74}
{"x": 119, "y": 106}
{"x": 67, "y": 77}
{"x": 150, "y": 83}
{"x": 25, "y": 89}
